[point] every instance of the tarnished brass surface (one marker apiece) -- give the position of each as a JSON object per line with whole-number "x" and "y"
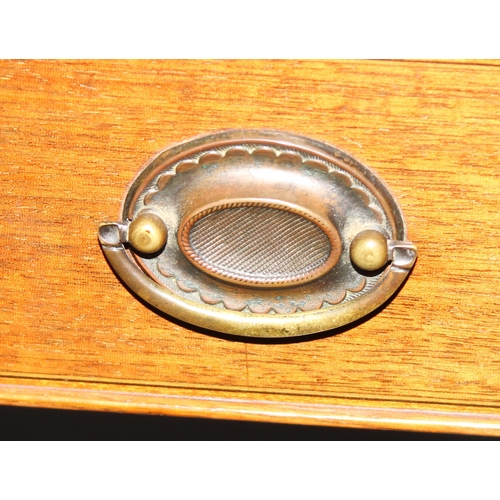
{"x": 260, "y": 226}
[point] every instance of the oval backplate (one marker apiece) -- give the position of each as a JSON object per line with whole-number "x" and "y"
{"x": 259, "y": 229}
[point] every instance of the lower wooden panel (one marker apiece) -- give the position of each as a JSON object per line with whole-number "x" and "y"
{"x": 74, "y": 133}
{"x": 245, "y": 405}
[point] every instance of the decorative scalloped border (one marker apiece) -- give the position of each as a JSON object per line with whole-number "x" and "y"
{"x": 213, "y": 156}
{"x": 272, "y": 309}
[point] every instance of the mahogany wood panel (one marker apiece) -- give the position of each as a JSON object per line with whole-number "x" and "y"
{"x": 74, "y": 133}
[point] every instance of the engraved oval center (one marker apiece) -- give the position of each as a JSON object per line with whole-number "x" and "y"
{"x": 260, "y": 244}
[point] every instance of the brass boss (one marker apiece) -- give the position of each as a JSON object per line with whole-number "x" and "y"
{"x": 147, "y": 233}
{"x": 369, "y": 250}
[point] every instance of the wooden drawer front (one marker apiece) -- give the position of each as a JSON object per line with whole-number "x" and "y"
{"x": 74, "y": 133}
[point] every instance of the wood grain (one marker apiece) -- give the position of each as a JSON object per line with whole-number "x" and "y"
{"x": 74, "y": 133}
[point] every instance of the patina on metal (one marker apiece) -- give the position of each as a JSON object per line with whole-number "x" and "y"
{"x": 261, "y": 234}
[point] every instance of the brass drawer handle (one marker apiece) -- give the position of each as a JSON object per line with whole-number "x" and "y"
{"x": 259, "y": 233}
